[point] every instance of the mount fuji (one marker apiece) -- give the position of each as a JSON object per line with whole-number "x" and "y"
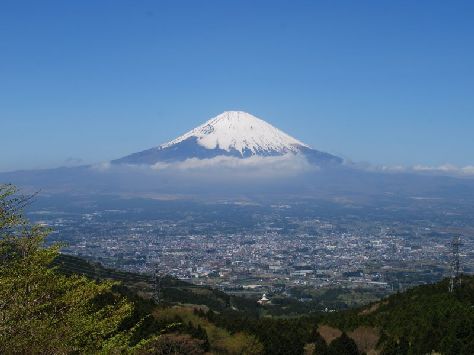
{"x": 237, "y": 155}
{"x": 232, "y": 133}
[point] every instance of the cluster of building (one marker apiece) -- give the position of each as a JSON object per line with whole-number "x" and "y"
{"x": 313, "y": 253}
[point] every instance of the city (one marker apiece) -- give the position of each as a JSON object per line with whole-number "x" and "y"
{"x": 271, "y": 251}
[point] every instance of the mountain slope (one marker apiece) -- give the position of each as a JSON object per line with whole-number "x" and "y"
{"x": 240, "y": 131}
{"x": 232, "y": 133}
{"x": 422, "y": 320}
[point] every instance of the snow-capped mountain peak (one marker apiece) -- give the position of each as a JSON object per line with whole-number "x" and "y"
{"x": 234, "y": 134}
{"x": 241, "y": 132}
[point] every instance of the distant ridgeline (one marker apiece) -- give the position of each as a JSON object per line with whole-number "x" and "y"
{"x": 421, "y": 320}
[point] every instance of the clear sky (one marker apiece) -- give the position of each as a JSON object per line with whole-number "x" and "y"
{"x": 385, "y": 82}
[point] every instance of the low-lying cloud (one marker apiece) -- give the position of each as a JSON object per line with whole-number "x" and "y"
{"x": 220, "y": 174}
{"x": 271, "y": 166}
{"x": 446, "y": 169}
{"x": 259, "y": 166}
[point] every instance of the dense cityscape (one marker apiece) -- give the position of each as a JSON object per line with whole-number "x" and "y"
{"x": 270, "y": 251}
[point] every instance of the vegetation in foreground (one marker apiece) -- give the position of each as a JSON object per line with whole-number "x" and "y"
{"x": 57, "y": 304}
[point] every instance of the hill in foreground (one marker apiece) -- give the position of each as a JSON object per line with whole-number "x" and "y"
{"x": 422, "y": 320}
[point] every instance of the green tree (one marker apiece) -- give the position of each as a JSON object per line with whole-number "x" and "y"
{"x": 396, "y": 347}
{"x": 41, "y": 310}
{"x": 176, "y": 344}
{"x": 343, "y": 346}
{"x": 320, "y": 346}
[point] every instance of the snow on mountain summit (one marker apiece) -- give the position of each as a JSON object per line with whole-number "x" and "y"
{"x": 242, "y": 132}
{"x": 233, "y": 134}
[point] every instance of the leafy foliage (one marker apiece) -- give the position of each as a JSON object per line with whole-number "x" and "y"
{"x": 320, "y": 346}
{"x": 343, "y": 346}
{"x": 177, "y": 344}
{"x": 50, "y": 312}
{"x": 41, "y": 310}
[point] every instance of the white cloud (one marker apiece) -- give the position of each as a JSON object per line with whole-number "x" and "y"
{"x": 468, "y": 170}
{"x": 276, "y": 165}
{"x": 445, "y": 169}
{"x": 210, "y": 174}
{"x": 266, "y": 167}
{"x": 103, "y": 166}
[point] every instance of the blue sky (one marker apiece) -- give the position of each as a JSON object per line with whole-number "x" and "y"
{"x": 385, "y": 82}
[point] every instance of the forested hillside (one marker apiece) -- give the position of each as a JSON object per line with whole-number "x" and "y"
{"x": 58, "y": 304}
{"x": 421, "y": 320}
